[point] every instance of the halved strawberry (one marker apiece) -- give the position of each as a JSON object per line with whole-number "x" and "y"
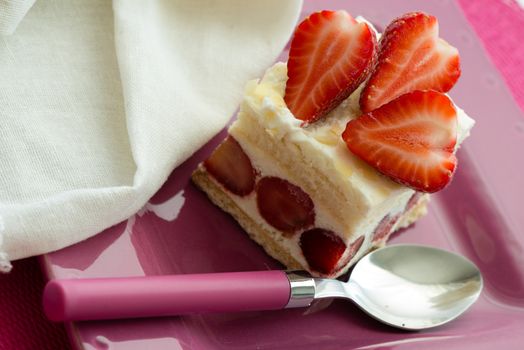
{"x": 283, "y": 205}
{"x": 411, "y": 57}
{"x": 410, "y": 139}
{"x": 230, "y": 166}
{"x": 330, "y": 56}
{"x": 322, "y": 249}
{"x": 353, "y": 249}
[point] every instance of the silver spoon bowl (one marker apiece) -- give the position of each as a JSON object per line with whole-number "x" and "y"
{"x": 410, "y": 287}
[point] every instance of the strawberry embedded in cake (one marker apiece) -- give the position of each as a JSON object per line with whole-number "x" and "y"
{"x": 339, "y": 147}
{"x": 230, "y": 166}
{"x": 283, "y": 205}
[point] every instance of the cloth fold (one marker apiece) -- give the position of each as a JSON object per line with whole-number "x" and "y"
{"x": 11, "y": 13}
{"x": 99, "y": 104}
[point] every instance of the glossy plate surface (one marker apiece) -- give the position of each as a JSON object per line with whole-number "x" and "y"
{"x": 480, "y": 216}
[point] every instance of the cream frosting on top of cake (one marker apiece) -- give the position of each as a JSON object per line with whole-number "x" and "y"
{"x": 267, "y": 96}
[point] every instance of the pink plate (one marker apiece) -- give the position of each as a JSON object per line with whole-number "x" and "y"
{"x": 480, "y": 216}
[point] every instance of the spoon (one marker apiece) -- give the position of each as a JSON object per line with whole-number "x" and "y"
{"x": 410, "y": 287}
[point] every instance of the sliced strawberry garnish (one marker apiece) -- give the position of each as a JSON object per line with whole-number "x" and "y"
{"x": 410, "y": 139}
{"x": 322, "y": 250}
{"x": 230, "y": 166}
{"x": 330, "y": 56}
{"x": 283, "y": 205}
{"x": 411, "y": 57}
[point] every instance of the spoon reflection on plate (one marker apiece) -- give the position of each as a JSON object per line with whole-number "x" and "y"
{"x": 406, "y": 286}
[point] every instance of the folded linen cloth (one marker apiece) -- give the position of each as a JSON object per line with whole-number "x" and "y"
{"x": 99, "y": 102}
{"x": 11, "y": 13}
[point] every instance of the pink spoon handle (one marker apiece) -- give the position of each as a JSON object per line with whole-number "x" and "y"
{"x": 109, "y": 298}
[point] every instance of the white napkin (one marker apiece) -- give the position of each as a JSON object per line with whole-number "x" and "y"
{"x": 99, "y": 104}
{"x": 11, "y": 13}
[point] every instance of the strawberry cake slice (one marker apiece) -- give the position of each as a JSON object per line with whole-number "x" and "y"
{"x": 340, "y": 147}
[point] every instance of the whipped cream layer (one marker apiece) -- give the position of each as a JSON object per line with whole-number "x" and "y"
{"x": 350, "y": 197}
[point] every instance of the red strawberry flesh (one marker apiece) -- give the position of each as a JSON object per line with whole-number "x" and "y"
{"x": 410, "y": 139}
{"x": 322, "y": 250}
{"x": 413, "y": 200}
{"x": 283, "y": 205}
{"x": 353, "y": 250}
{"x": 330, "y": 56}
{"x": 230, "y": 166}
{"x": 411, "y": 56}
{"x": 384, "y": 227}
